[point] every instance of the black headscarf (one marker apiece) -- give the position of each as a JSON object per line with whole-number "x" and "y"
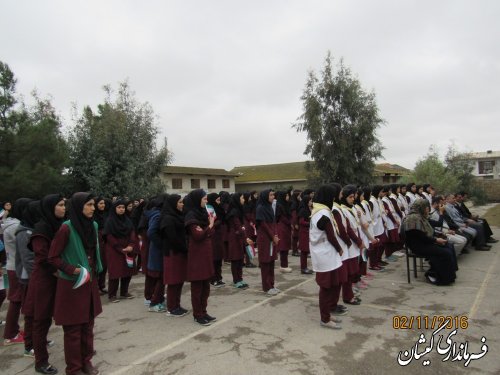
{"x": 100, "y": 216}
{"x": 219, "y": 211}
{"x": 169, "y": 210}
{"x": 48, "y": 224}
{"x": 118, "y": 226}
{"x": 327, "y": 194}
{"x": 83, "y": 225}
{"x": 195, "y": 214}
{"x": 265, "y": 212}
{"x": 18, "y": 208}
{"x": 304, "y": 210}
{"x": 346, "y": 191}
{"x": 283, "y": 206}
{"x": 235, "y": 208}
{"x": 31, "y": 214}
{"x": 294, "y": 199}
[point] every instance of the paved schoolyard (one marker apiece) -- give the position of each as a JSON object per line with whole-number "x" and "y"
{"x": 256, "y": 334}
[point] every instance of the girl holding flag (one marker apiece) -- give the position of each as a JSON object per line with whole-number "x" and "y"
{"x": 74, "y": 251}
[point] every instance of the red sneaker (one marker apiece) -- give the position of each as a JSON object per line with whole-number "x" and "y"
{"x": 18, "y": 339}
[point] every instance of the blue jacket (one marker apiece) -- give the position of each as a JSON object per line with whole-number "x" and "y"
{"x": 155, "y": 257}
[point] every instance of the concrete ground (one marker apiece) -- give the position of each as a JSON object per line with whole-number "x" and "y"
{"x": 256, "y": 334}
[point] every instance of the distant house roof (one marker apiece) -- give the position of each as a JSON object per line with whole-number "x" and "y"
{"x": 383, "y": 169}
{"x": 297, "y": 172}
{"x": 174, "y": 169}
{"x": 485, "y": 155}
{"x": 271, "y": 172}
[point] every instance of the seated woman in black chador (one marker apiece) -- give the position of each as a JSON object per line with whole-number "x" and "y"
{"x": 421, "y": 240}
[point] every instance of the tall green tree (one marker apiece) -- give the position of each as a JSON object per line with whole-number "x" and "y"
{"x": 340, "y": 119}
{"x": 113, "y": 150}
{"x": 33, "y": 149}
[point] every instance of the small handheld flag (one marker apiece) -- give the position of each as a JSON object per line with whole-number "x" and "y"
{"x": 83, "y": 277}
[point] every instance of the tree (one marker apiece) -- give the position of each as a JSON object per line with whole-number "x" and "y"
{"x": 459, "y": 164}
{"x": 113, "y": 151}
{"x": 431, "y": 170}
{"x": 340, "y": 120}
{"x": 34, "y": 152}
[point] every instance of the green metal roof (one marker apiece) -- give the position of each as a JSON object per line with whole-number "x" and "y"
{"x": 297, "y": 172}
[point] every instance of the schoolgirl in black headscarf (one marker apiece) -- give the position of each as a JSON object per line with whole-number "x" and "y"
{"x": 304, "y": 218}
{"x": 43, "y": 282}
{"x": 100, "y": 215}
{"x": 295, "y": 198}
{"x": 236, "y": 238}
{"x": 218, "y": 238}
{"x": 174, "y": 244}
{"x": 73, "y": 249}
{"x": 121, "y": 247}
{"x": 284, "y": 227}
{"x": 267, "y": 239}
{"x": 200, "y": 269}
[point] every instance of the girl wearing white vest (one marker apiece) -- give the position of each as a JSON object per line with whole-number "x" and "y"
{"x": 411, "y": 190}
{"x": 403, "y": 203}
{"x": 348, "y": 236}
{"x": 363, "y": 209}
{"x": 379, "y": 229}
{"x": 326, "y": 255}
{"x": 392, "y": 223}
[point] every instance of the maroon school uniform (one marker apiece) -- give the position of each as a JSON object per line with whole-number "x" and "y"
{"x": 236, "y": 237}
{"x": 200, "y": 254}
{"x": 117, "y": 264}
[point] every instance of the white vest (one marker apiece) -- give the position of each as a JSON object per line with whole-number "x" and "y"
{"x": 387, "y": 220}
{"x": 378, "y": 223}
{"x": 366, "y": 220}
{"x": 324, "y": 257}
{"x": 412, "y": 197}
{"x": 344, "y": 246}
{"x": 353, "y": 249}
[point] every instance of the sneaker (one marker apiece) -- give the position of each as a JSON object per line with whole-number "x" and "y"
{"x": 330, "y": 325}
{"x": 18, "y": 339}
{"x": 47, "y": 369}
{"x": 113, "y": 300}
{"x": 210, "y": 318}
{"x": 336, "y": 320}
{"x": 147, "y": 302}
{"x": 285, "y": 269}
{"x": 2, "y": 322}
{"x": 382, "y": 263}
{"x": 241, "y": 285}
{"x": 306, "y": 271}
{"x": 159, "y": 308}
{"x": 202, "y": 321}
{"x": 278, "y": 290}
{"x": 183, "y": 310}
{"x": 338, "y": 312}
{"x": 399, "y": 254}
{"x": 50, "y": 343}
{"x": 218, "y": 284}
{"x": 177, "y": 313}
{"x": 29, "y": 353}
{"x": 127, "y": 296}
{"x": 244, "y": 283}
{"x": 272, "y": 292}
{"x": 391, "y": 258}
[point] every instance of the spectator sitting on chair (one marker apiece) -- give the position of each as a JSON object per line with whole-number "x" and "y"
{"x": 461, "y": 198}
{"x": 420, "y": 239}
{"x": 440, "y": 225}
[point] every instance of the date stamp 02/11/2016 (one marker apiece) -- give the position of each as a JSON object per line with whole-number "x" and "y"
{"x": 443, "y": 344}
{"x": 429, "y": 322}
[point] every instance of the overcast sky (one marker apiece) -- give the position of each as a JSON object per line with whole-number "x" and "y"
{"x": 225, "y": 77}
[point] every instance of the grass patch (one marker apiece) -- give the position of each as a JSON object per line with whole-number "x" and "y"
{"x": 493, "y": 216}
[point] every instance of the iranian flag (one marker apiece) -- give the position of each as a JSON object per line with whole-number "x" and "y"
{"x": 83, "y": 277}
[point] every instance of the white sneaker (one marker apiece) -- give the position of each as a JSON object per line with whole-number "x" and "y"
{"x": 285, "y": 269}
{"x": 147, "y": 302}
{"x": 272, "y": 292}
{"x": 330, "y": 325}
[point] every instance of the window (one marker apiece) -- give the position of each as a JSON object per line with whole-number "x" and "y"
{"x": 486, "y": 167}
{"x": 195, "y": 183}
{"x": 176, "y": 183}
{"x": 225, "y": 183}
{"x": 211, "y": 183}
